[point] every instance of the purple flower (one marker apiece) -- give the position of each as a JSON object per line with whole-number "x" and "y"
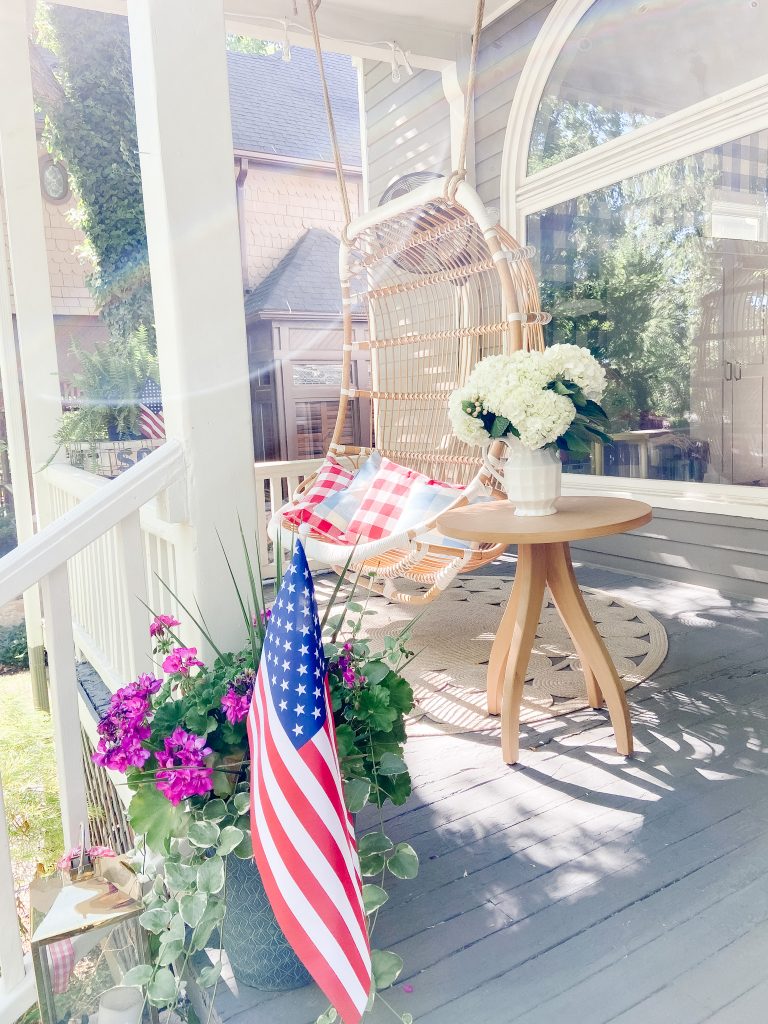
{"x": 160, "y": 623}
{"x": 181, "y": 660}
{"x": 237, "y": 700}
{"x": 184, "y": 773}
{"x": 264, "y": 616}
{"x": 125, "y": 726}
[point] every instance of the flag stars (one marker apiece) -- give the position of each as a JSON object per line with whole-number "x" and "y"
{"x": 287, "y": 645}
{"x": 303, "y": 650}
{"x": 303, "y": 670}
{"x": 291, "y": 588}
{"x": 316, "y": 713}
{"x": 298, "y": 730}
{"x": 283, "y": 705}
{"x": 318, "y": 691}
{"x": 284, "y": 684}
{"x": 286, "y": 665}
{"x": 299, "y": 709}
{"x": 301, "y": 688}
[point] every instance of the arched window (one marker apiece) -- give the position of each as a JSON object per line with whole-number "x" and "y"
{"x": 637, "y": 165}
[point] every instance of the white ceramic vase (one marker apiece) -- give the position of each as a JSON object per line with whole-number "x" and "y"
{"x": 122, "y": 1004}
{"x": 531, "y": 477}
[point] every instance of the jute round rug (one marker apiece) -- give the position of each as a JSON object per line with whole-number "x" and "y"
{"x": 454, "y": 636}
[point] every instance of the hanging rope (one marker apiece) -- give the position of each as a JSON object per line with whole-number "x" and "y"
{"x": 460, "y": 172}
{"x": 312, "y": 6}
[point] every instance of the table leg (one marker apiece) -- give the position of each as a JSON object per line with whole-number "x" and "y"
{"x": 589, "y": 645}
{"x": 530, "y": 579}
{"x": 497, "y": 663}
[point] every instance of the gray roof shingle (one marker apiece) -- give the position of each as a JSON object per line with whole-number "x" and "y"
{"x": 306, "y": 280}
{"x": 277, "y": 106}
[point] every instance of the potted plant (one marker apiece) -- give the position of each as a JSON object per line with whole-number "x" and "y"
{"x": 536, "y": 404}
{"x": 109, "y": 385}
{"x": 180, "y": 738}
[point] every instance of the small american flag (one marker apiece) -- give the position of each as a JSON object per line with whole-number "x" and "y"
{"x": 303, "y": 839}
{"x": 151, "y": 422}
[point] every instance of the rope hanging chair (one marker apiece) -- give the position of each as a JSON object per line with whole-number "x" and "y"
{"x": 443, "y": 286}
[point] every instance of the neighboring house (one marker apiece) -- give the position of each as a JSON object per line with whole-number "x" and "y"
{"x": 285, "y": 183}
{"x": 294, "y": 352}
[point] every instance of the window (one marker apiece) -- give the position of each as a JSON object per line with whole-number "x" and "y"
{"x": 630, "y": 63}
{"x": 663, "y": 276}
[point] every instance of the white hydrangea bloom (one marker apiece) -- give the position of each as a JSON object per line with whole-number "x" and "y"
{"x": 469, "y": 429}
{"x": 575, "y": 363}
{"x": 544, "y": 417}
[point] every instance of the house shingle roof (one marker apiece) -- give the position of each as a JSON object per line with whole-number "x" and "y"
{"x": 306, "y": 280}
{"x": 277, "y": 105}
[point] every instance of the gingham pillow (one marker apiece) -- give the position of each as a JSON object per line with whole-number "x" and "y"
{"x": 331, "y": 477}
{"x": 338, "y": 509}
{"x": 383, "y": 504}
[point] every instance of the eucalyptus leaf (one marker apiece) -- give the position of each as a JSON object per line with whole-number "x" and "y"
{"x": 170, "y": 952}
{"x": 155, "y": 921}
{"x": 210, "y": 875}
{"x": 386, "y": 967}
{"x": 215, "y": 810}
{"x": 203, "y": 833}
{"x": 356, "y": 794}
{"x": 373, "y": 897}
{"x": 404, "y": 862}
{"x": 162, "y": 989}
{"x": 242, "y": 802}
{"x": 137, "y": 975}
{"x": 193, "y": 907}
{"x": 209, "y": 975}
{"x": 374, "y": 842}
{"x": 229, "y": 840}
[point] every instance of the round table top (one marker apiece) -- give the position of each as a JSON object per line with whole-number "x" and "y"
{"x": 576, "y": 519}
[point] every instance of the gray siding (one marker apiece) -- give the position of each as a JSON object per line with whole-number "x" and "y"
{"x": 407, "y": 125}
{"x": 728, "y": 553}
{"x": 505, "y": 46}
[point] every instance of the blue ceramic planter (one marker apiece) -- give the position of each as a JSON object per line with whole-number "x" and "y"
{"x": 258, "y": 951}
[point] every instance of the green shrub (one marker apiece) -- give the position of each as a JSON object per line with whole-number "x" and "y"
{"x": 13, "y": 647}
{"x": 7, "y": 533}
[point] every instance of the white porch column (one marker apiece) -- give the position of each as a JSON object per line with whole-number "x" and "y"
{"x": 185, "y": 142}
{"x": 32, "y": 297}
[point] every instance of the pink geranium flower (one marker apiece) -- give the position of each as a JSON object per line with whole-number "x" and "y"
{"x": 181, "y": 660}
{"x": 160, "y": 623}
{"x": 184, "y": 772}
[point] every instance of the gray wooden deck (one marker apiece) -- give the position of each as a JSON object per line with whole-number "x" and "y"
{"x": 581, "y": 886}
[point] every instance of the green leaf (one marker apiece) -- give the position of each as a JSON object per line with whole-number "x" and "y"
{"x": 192, "y": 908}
{"x": 404, "y": 862}
{"x": 214, "y": 914}
{"x": 345, "y": 740}
{"x": 162, "y": 989}
{"x": 155, "y": 921}
{"x": 244, "y": 849}
{"x": 400, "y": 693}
{"x": 152, "y": 815}
{"x": 242, "y": 802}
{"x": 137, "y": 975}
{"x": 500, "y": 426}
{"x": 356, "y": 794}
{"x": 180, "y": 877}
{"x": 203, "y": 833}
{"x": 373, "y": 897}
{"x": 176, "y": 931}
{"x": 230, "y": 839}
{"x": 371, "y": 865}
{"x": 209, "y": 975}
{"x": 374, "y": 842}
{"x": 170, "y": 952}
{"x": 386, "y": 967}
{"x": 215, "y": 810}
{"x": 210, "y": 875}
{"x": 376, "y": 671}
{"x": 391, "y": 764}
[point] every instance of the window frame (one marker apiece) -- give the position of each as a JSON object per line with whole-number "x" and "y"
{"x": 715, "y": 121}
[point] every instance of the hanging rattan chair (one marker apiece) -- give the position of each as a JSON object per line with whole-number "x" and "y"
{"x": 443, "y": 286}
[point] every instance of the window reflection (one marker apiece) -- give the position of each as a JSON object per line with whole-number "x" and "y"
{"x": 663, "y": 277}
{"x": 629, "y": 63}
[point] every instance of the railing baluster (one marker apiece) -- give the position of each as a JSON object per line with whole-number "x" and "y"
{"x": 65, "y": 710}
{"x": 130, "y": 555}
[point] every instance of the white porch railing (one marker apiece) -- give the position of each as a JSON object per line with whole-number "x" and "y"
{"x": 92, "y": 564}
{"x": 275, "y": 483}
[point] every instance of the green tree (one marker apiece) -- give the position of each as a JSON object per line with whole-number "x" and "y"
{"x": 91, "y": 125}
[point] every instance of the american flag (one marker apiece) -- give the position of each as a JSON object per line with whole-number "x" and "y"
{"x": 303, "y": 839}
{"x": 151, "y": 422}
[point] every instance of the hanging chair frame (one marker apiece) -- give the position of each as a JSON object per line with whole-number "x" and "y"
{"x": 444, "y": 286}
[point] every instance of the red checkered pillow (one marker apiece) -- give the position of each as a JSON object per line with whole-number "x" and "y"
{"x": 330, "y": 477}
{"x": 382, "y": 507}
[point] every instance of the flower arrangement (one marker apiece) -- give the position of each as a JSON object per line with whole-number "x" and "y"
{"x": 180, "y": 739}
{"x": 544, "y": 399}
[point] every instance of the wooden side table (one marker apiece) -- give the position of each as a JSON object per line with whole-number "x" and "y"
{"x": 544, "y": 559}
